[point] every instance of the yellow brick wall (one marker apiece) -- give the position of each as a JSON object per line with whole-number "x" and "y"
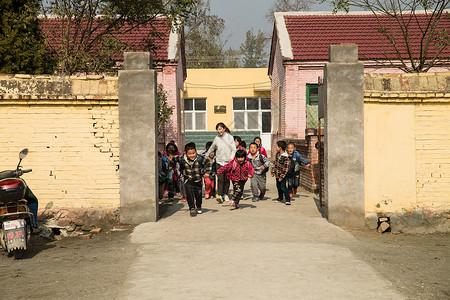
{"x": 407, "y": 142}
{"x": 432, "y": 129}
{"x": 73, "y": 139}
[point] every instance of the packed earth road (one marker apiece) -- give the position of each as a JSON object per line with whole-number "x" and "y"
{"x": 266, "y": 250}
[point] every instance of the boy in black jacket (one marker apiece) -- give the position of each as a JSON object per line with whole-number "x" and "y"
{"x": 193, "y": 167}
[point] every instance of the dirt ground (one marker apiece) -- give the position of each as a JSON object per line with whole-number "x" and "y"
{"x": 74, "y": 268}
{"x": 418, "y": 265}
{"x": 71, "y": 268}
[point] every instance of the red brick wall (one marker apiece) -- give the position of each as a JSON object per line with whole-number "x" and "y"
{"x": 309, "y": 175}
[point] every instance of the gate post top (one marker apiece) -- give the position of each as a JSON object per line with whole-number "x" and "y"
{"x": 137, "y": 61}
{"x": 343, "y": 53}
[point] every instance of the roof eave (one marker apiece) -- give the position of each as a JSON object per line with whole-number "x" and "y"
{"x": 283, "y": 36}
{"x": 174, "y": 42}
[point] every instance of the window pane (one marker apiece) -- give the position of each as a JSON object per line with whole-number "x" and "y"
{"x": 238, "y": 121}
{"x": 265, "y": 103}
{"x": 200, "y": 104}
{"x": 200, "y": 121}
{"x": 266, "y": 121}
{"x": 252, "y": 120}
{"x": 187, "y": 121}
{"x": 313, "y": 95}
{"x": 188, "y": 104}
{"x": 238, "y": 103}
{"x": 252, "y": 103}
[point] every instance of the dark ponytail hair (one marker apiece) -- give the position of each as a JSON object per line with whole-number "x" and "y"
{"x": 223, "y": 126}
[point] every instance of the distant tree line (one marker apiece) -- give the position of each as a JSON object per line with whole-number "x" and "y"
{"x": 87, "y": 42}
{"x": 205, "y": 47}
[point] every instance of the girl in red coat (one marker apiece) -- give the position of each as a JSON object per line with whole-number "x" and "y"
{"x": 239, "y": 170}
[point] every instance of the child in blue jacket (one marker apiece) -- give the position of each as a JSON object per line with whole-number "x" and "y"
{"x": 293, "y": 174}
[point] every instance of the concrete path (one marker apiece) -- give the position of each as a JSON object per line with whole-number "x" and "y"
{"x": 266, "y": 250}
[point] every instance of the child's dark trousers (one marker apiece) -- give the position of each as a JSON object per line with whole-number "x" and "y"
{"x": 194, "y": 191}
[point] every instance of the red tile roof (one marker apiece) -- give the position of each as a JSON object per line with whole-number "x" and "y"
{"x": 311, "y": 35}
{"x": 141, "y": 38}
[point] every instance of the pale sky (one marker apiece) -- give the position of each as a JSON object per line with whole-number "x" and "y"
{"x": 242, "y": 15}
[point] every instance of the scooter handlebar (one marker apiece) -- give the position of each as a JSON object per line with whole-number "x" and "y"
{"x": 27, "y": 171}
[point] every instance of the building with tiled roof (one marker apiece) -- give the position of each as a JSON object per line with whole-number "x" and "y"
{"x": 165, "y": 41}
{"x": 299, "y": 51}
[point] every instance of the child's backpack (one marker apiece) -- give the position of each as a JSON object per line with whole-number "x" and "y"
{"x": 296, "y": 163}
{"x": 261, "y": 159}
{"x": 163, "y": 171}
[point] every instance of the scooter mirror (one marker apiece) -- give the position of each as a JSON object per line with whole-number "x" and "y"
{"x": 23, "y": 153}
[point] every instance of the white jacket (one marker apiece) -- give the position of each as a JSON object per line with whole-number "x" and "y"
{"x": 224, "y": 147}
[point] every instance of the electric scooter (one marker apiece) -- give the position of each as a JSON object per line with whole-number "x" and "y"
{"x": 16, "y": 220}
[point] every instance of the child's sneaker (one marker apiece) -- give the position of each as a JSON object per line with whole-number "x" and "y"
{"x": 232, "y": 202}
{"x": 199, "y": 210}
{"x": 192, "y": 212}
{"x": 255, "y": 199}
{"x": 225, "y": 198}
{"x": 184, "y": 199}
{"x": 288, "y": 202}
{"x": 236, "y": 206}
{"x": 278, "y": 200}
{"x": 207, "y": 196}
{"x": 219, "y": 199}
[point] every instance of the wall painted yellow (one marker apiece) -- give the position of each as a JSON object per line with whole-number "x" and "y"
{"x": 219, "y": 86}
{"x": 407, "y": 145}
{"x": 73, "y": 151}
{"x": 432, "y": 129}
{"x": 389, "y": 157}
{"x": 71, "y": 128}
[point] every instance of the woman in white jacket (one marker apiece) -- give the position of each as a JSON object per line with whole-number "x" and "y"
{"x": 225, "y": 149}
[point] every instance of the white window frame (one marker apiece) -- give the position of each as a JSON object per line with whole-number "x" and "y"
{"x": 245, "y": 111}
{"x": 193, "y": 112}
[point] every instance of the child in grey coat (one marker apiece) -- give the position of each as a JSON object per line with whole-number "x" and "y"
{"x": 260, "y": 164}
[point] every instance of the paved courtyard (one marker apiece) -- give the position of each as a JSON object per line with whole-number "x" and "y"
{"x": 267, "y": 250}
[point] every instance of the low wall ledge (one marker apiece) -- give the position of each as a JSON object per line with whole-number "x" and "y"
{"x": 406, "y": 97}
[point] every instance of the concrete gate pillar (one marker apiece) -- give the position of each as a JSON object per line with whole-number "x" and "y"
{"x": 138, "y": 140}
{"x": 344, "y": 136}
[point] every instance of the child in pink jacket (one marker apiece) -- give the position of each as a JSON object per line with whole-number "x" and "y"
{"x": 239, "y": 170}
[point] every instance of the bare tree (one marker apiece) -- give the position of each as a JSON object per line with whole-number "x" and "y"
{"x": 288, "y": 5}
{"x": 416, "y": 30}
{"x": 83, "y": 33}
{"x": 203, "y": 30}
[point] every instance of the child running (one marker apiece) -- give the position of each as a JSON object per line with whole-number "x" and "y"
{"x": 163, "y": 171}
{"x": 260, "y": 164}
{"x": 193, "y": 167}
{"x": 211, "y": 179}
{"x": 239, "y": 170}
{"x": 238, "y": 143}
{"x": 294, "y": 170}
{"x": 210, "y": 182}
{"x": 282, "y": 164}
{"x": 261, "y": 149}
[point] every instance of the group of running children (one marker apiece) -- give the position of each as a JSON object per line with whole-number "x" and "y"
{"x": 183, "y": 174}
